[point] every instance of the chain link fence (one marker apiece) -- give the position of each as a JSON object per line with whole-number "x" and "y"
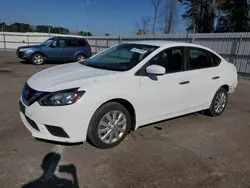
{"x": 234, "y": 47}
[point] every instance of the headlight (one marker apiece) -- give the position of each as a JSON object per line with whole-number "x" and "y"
{"x": 24, "y": 49}
{"x": 61, "y": 98}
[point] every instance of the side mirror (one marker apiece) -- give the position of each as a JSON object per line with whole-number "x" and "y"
{"x": 156, "y": 70}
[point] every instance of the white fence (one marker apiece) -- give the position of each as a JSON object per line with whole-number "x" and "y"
{"x": 235, "y": 47}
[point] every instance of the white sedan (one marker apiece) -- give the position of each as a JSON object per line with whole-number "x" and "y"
{"x": 124, "y": 87}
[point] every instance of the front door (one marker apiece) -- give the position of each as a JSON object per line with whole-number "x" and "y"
{"x": 166, "y": 95}
{"x": 56, "y": 50}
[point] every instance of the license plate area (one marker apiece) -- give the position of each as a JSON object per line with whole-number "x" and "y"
{"x": 22, "y": 107}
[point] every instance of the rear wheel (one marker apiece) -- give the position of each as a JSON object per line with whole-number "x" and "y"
{"x": 37, "y": 59}
{"x": 80, "y": 57}
{"x": 219, "y": 103}
{"x": 109, "y": 125}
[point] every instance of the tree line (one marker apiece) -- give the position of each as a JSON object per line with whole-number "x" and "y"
{"x": 23, "y": 28}
{"x": 201, "y": 16}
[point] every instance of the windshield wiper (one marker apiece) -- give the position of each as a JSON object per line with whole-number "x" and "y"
{"x": 96, "y": 66}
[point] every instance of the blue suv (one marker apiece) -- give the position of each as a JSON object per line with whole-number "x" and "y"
{"x": 56, "y": 48}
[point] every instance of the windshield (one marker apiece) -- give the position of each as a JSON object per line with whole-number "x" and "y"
{"x": 47, "y": 42}
{"x": 120, "y": 58}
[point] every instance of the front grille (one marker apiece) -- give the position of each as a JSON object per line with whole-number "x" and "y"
{"x": 30, "y": 95}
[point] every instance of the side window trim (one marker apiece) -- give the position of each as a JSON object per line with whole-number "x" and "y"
{"x": 142, "y": 72}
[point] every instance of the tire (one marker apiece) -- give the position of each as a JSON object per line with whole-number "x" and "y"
{"x": 219, "y": 97}
{"x": 80, "y": 57}
{"x": 37, "y": 59}
{"x": 101, "y": 133}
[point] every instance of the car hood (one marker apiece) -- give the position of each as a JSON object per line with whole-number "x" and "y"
{"x": 67, "y": 76}
{"x": 31, "y": 46}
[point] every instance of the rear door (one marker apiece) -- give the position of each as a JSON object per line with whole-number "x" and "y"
{"x": 70, "y": 49}
{"x": 84, "y": 48}
{"x": 204, "y": 75}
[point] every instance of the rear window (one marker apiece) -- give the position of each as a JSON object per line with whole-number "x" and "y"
{"x": 82, "y": 43}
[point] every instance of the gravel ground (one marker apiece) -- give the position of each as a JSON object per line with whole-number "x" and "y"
{"x": 192, "y": 151}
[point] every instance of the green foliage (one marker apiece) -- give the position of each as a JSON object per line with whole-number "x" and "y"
{"x": 200, "y": 13}
{"x": 82, "y": 33}
{"x": 232, "y": 15}
{"x": 22, "y": 27}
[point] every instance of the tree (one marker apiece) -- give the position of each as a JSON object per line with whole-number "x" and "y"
{"x": 142, "y": 27}
{"x": 167, "y": 15}
{"x": 201, "y": 13}
{"x": 107, "y": 34}
{"x": 234, "y": 16}
{"x": 156, "y": 5}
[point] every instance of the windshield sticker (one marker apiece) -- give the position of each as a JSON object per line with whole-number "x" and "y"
{"x": 140, "y": 51}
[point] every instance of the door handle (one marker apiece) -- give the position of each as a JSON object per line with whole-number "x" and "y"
{"x": 216, "y": 77}
{"x": 183, "y": 83}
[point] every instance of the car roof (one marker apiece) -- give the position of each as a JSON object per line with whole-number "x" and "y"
{"x": 62, "y": 37}
{"x": 165, "y": 43}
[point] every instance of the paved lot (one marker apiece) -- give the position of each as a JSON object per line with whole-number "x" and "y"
{"x": 193, "y": 151}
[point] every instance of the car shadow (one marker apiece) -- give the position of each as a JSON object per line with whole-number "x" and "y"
{"x": 49, "y": 179}
{"x": 59, "y": 143}
{"x": 203, "y": 113}
{"x": 48, "y": 62}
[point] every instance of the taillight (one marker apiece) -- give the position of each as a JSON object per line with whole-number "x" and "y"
{"x": 89, "y": 48}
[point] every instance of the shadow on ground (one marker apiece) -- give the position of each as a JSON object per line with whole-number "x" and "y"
{"x": 49, "y": 179}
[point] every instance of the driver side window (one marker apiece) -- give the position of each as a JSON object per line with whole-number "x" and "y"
{"x": 171, "y": 59}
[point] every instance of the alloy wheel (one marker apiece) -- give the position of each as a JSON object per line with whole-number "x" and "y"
{"x": 112, "y": 127}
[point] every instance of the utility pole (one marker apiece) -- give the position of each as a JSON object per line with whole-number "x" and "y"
{"x": 87, "y": 17}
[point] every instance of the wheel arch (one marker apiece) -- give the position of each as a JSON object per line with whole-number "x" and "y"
{"x": 38, "y": 52}
{"x": 128, "y": 105}
{"x": 226, "y": 87}
{"x": 80, "y": 53}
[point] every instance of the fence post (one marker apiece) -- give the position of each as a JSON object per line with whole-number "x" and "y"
{"x": 193, "y": 37}
{"x": 28, "y": 40}
{"x": 187, "y": 38}
{"x": 4, "y": 41}
{"x": 96, "y": 46}
{"x": 107, "y": 43}
{"x": 237, "y": 51}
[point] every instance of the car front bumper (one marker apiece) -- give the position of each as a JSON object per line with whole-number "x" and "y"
{"x": 61, "y": 124}
{"x": 23, "y": 55}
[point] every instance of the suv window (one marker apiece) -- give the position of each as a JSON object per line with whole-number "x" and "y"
{"x": 71, "y": 43}
{"x": 81, "y": 43}
{"x": 199, "y": 58}
{"x": 60, "y": 43}
{"x": 171, "y": 59}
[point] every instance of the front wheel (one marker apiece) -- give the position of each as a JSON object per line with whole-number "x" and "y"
{"x": 109, "y": 125}
{"x": 219, "y": 103}
{"x": 37, "y": 59}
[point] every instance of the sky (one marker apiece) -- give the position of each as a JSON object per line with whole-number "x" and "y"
{"x": 105, "y": 16}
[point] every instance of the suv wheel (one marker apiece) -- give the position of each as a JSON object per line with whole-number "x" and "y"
{"x": 80, "y": 57}
{"x": 109, "y": 125}
{"x": 37, "y": 59}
